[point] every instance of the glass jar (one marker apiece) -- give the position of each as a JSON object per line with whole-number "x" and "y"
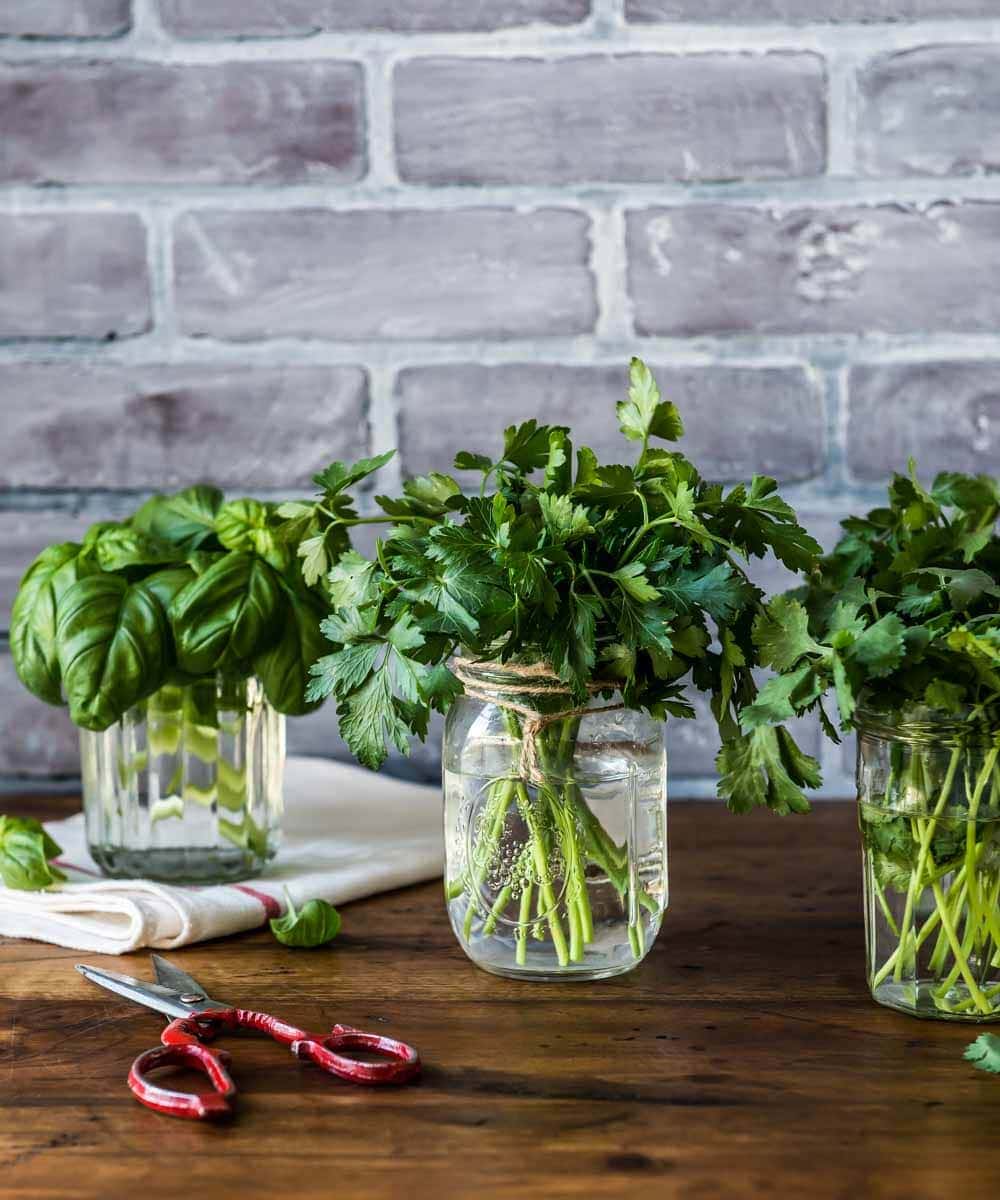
{"x": 555, "y": 827}
{"x": 186, "y": 787}
{"x": 929, "y": 812}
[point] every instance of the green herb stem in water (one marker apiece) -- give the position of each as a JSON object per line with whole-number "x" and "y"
{"x": 957, "y": 869}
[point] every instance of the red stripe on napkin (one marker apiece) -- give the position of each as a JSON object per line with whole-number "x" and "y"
{"x": 68, "y": 866}
{"x": 271, "y": 906}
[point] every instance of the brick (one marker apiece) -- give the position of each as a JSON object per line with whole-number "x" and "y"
{"x": 290, "y": 18}
{"x": 73, "y": 275}
{"x": 932, "y": 111}
{"x": 72, "y": 425}
{"x": 779, "y": 430}
{"x": 794, "y": 12}
{"x": 716, "y": 270}
{"x": 37, "y": 740}
{"x": 705, "y": 116}
{"x": 384, "y": 274}
{"x": 23, "y": 535}
{"x": 945, "y": 414}
{"x": 274, "y": 122}
{"x": 64, "y": 18}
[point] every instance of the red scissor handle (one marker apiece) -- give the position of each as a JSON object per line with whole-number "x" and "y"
{"x": 196, "y": 1106}
{"x": 183, "y": 1045}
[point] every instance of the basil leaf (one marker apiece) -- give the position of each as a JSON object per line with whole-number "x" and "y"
{"x": 118, "y": 548}
{"x": 186, "y": 519}
{"x": 283, "y": 668}
{"x": 34, "y": 618}
{"x": 229, "y": 613}
{"x": 25, "y": 850}
{"x": 166, "y": 584}
{"x": 112, "y": 639}
{"x": 314, "y": 924}
{"x": 251, "y": 526}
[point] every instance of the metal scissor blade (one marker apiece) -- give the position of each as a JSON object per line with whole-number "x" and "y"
{"x": 166, "y": 1000}
{"x": 173, "y": 977}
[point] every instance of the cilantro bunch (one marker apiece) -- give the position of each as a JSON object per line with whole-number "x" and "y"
{"x": 624, "y": 574}
{"x": 901, "y": 622}
{"x": 904, "y": 613}
{"x": 188, "y": 586}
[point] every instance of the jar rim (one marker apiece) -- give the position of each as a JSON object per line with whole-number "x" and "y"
{"x": 912, "y": 721}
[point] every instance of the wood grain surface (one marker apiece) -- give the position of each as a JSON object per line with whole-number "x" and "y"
{"x": 743, "y": 1058}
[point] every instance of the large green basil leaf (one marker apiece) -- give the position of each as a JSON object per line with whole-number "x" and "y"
{"x": 121, "y": 547}
{"x": 284, "y": 667}
{"x": 34, "y": 618}
{"x": 228, "y": 614}
{"x": 25, "y": 851}
{"x": 166, "y": 584}
{"x": 252, "y": 526}
{"x": 186, "y": 519}
{"x": 112, "y": 639}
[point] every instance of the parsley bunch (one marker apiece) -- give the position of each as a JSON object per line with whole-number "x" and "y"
{"x": 901, "y": 622}
{"x": 624, "y": 574}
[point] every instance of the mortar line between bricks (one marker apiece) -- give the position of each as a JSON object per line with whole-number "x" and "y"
{"x": 584, "y": 350}
{"x": 777, "y": 195}
{"x": 379, "y": 123}
{"x": 609, "y": 267}
{"x": 384, "y": 426}
{"x": 834, "y": 381}
{"x": 120, "y": 502}
{"x": 841, "y": 114}
{"x": 147, "y": 43}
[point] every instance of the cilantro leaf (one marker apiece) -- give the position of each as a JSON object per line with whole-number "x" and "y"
{"x": 984, "y": 1053}
{"x": 781, "y": 634}
{"x": 764, "y": 768}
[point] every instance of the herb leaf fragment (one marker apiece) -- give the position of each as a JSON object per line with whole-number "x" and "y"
{"x": 25, "y": 854}
{"x": 312, "y": 925}
{"x": 984, "y": 1053}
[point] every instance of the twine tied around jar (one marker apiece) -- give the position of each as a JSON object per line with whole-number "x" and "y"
{"x": 521, "y": 684}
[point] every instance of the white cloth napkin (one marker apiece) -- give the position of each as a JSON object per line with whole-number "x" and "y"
{"x": 348, "y": 833}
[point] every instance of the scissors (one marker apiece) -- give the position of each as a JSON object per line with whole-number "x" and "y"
{"x": 196, "y": 1019}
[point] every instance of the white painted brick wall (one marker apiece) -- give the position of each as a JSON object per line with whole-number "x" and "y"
{"x": 363, "y": 225}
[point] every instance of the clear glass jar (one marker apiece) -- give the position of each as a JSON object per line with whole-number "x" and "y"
{"x": 555, "y": 828}
{"x": 929, "y": 813}
{"x": 187, "y": 786}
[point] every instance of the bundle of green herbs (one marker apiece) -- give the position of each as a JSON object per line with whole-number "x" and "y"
{"x": 901, "y": 622}
{"x": 165, "y": 616}
{"x": 604, "y": 579}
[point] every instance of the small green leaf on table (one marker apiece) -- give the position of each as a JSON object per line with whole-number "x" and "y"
{"x": 984, "y": 1053}
{"x": 314, "y": 924}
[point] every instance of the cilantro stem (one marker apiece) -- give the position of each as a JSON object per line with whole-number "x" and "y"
{"x": 927, "y": 832}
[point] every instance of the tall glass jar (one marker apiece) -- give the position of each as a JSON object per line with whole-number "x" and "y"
{"x": 555, "y": 827}
{"x": 187, "y": 786}
{"x": 929, "y": 812}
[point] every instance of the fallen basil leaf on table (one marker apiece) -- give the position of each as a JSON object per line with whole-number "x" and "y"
{"x": 984, "y": 1053}
{"x": 314, "y": 924}
{"x": 25, "y": 850}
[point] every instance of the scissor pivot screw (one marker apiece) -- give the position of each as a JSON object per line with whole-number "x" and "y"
{"x": 191, "y": 998}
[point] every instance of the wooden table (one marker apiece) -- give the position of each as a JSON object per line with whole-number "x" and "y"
{"x": 743, "y": 1058}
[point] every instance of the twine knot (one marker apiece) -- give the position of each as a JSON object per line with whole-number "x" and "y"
{"x": 532, "y": 679}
